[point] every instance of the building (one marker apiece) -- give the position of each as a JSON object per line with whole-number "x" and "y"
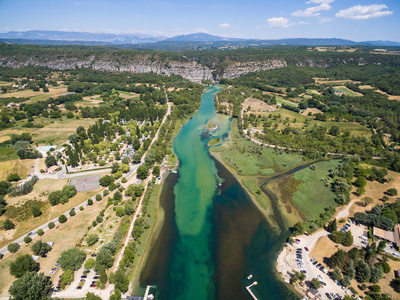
{"x": 52, "y": 169}
{"x": 389, "y": 236}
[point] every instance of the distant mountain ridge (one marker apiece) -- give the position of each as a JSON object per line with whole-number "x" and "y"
{"x": 138, "y": 40}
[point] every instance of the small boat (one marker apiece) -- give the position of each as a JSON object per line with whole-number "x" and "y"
{"x": 220, "y": 184}
{"x": 255, "y": 283}
{"x": 249, "y": 277}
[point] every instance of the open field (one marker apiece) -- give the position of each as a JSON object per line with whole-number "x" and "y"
{"x": 328, "y": 81}
{"x": 312, "y": 110}
{"x": 12, "y": 166}
{"x": 64, "y": 236}
{"x": 55, "y": 132}
{"x": 355, "y": 128}
{"x": 40, "y": 193}
{"x": 36, "y": 96}
{"x": 257, "y": 105}
{"x": 311, "y": 189}
{"x": 347, "y": 91}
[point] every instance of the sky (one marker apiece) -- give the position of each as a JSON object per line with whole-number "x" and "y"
{"x": 357, "y": 20}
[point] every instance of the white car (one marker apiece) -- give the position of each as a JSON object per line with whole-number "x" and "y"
{"x": 51, "y": 272}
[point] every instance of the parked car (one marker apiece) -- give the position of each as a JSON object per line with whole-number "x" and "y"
{"x": 306, "y": 248}
{"x": 79, "y": 288}
{"x": 54, "y": 269}
{"x": 83, "y": 276}
{"x": 312, "y": 259}
{"x": 51, "y": 272}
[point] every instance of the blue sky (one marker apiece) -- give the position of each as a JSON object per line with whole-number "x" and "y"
{"x": 358, "y": 20}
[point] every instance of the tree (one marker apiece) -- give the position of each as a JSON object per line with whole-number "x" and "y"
{"x": 117, "y": 196}
{"x": 91, "y": 296}
{"x": 13, "y": 177}
{"x": 31, "y": 286}
{"x": 54, "y": 197}
{"x": 156, "y": 171}
{"x": 51, "y": 225}
{"x": 90, "y": 202}
{"x": 367, "y": 201}
{"x": 120, "y": 211}
{"x": 337, "y": 274}
{"x": 395, "y": 283}
{"x": 332, "y": 226}
{"x": 89, "y": 263}
{"x": 381, "y": 246}
{"x": 347, "y": 239}
{"x": 363, "y": 272}
{"x": 35, "y": 210}
{"x": 385, "y": 266}
{"x": 92, "y": 239}
{"x": 13, "y": 247}
{"x": 142, "y": 172}
{"x": 72, "y": 213}
{"x": 106, "y": 180}
{"x": 298, "y": 228}
{"x": 316, "y": 283}
{"x": 62, "y": 219}
{"x": 40, "y": 248}
{"x": 67, "y": 277}
{"x": 391, "y": 192}
{"x": 337, "y": 259}
{"x": 98, "y": 197}
{"x": 105, "y": 258}
{"x": 335, "y": 131}
{"x": 21, "y": 265}
{"x": 50, "y": 161}
{"x": 129, "y": 208}
{"x": 40, "y": 232}
{"x": 376, "y": 274}
{"x": 103, "y": 276}
{"x": 360, "y": 182}
{"x": 27, "y": 239}
{"x": 346, "y": 281}
{"x": 72, "y": 259}
{"x": 8, "y": 224}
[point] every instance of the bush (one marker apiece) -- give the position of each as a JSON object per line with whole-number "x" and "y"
{"x": 90, "y": 202}
{"x": 99, "y": 219}
{"x": 40, "y": 232}
{"x": 27, "y": 239}
{"x": 8, "y": 224}
{"x": 92, "y": 239}
{"x": 72, "y": 213}
{"x": 51, "y": 225}
{"x": 13, "y": 247}
{"x": 94, "y": 223}
{"x": 81, "y": 208}
{"x": 35, "y": 210}
{"x": 13, "y": 177}
{"x": 123, "y": 180}
{"x": 89, "y": 263}
{"x": 62, "y": 219}
{"x": 106, "y": 193}
{"x": 98, "y": 197}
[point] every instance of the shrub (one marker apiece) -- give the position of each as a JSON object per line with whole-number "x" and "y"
{"x": 72, "y": 213}
{"x": 99, "y": 219}
{"x": 106, "y": 193}
{"x": 8, "y": 224}
{"x": 13, "y": 247}
{"x": 40, "y": 232}
{"x": 94, "y": 223}
{"x": 13, "y": 177}
{"x": 90, "y": 202}
{"x": 27, "y": 239}
{"x": 62, "y": 219}
{"x": 81, "y": 208}
{"x": 51, "y": 225}
{"x": 123, "y": 180}
{"x": 35, "y": 210}
{"x": 98, "y": 197}
{"x": 92, "y": 239}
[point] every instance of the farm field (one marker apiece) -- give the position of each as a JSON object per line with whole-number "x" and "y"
{"x": 347, "y": 91}
{"x": 36, "y": 96}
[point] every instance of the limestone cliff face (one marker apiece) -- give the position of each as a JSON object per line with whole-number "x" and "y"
{"x": 235, "y": 69}
{"x": 187, "y": 69}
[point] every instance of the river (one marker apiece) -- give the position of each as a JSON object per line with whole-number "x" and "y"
{"x": 213, "y": 236}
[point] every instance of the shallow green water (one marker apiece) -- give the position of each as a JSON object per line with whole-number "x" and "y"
{"x": 213, "y": 236}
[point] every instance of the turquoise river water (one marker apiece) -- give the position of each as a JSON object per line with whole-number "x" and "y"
{"x": 213, "y": 236}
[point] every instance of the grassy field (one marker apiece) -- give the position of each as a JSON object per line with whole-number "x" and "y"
{"x": 355, "y": 128}
{"x": 313, "y": 196}
{"x": 64, "y": 236}
{"x": 37, "y": 96}
{"x": 12, "y": 166}
{"x": 40, "y": 192}
{"x": 249, "y": 159}
{"x": 347, "y": 91}
{"x": 254, "y": 189}
{"x": 54, "y": 132}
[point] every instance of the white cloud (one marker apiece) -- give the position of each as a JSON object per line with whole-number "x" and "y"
{"x": 314, "y": 10}
{"x": 226, "y": 25}
{"x": 302, "y": 23}
{"x": 279, "y": 22}
{"x": 363, "y": 12}
{"x": 203, "y": 30}
{"x": 324, "y": 20}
